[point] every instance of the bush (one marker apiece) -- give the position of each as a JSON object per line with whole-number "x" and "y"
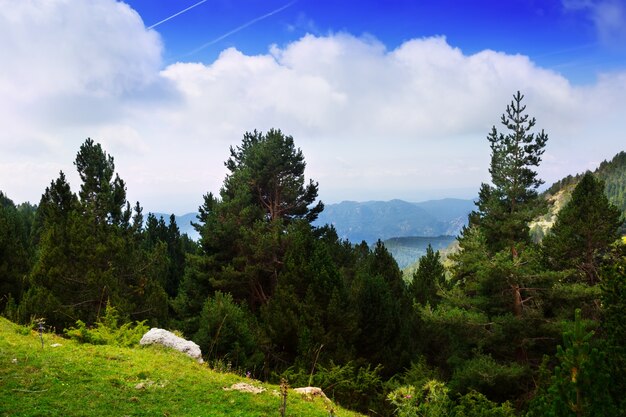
{"x": 431, "y": 400}
{"x": 475, "y": 404}
{"x": 228, "y": 332}
{"x": 355, "y": 387}
{"x": 107, "y": 331}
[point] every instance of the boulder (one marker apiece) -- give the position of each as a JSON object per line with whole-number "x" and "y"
{"x": 170, "y": 340}
{"x": 310, "y": 392}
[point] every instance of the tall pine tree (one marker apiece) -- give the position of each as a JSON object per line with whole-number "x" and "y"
{"x": 506, "y": 207}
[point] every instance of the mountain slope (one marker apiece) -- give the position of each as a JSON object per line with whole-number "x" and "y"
{"x": 87, "y": 380}
{"x": 612, "y": 172}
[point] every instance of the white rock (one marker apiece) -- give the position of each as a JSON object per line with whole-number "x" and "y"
{"x": 310, "y": 392}
{"x": 169, "y": 339}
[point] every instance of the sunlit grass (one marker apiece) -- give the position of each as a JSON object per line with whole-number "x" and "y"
{"x": 86, "y": 380}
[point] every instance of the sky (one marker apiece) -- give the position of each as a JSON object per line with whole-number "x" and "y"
{"x": 387, "y": 99}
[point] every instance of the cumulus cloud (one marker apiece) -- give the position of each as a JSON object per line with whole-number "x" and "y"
{"x": 373, "y": 122}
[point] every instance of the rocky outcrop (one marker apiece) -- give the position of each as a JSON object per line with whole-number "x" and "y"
{"x": 170, "y": 340}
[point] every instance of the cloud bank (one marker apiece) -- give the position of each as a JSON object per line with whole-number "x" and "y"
{"x": 373, "y": 122}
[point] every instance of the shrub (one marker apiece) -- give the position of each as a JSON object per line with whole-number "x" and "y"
{"x": 107, "y": 331}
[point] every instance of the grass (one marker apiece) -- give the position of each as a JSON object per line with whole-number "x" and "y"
{"x": 86, "y": 380}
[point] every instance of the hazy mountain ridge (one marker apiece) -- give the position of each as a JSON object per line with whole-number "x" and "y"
{"x": 373, "y": 220}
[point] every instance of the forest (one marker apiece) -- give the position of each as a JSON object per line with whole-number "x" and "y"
{"x": 511, "y": 326}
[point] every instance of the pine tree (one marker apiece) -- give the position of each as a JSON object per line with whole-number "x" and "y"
{"x": 273, "y": 171}
{"x": 584, "y": 228}
{"x": 15, "y": 250}
{"x": 100, "y": 193}
{"x": 579, "y": 384}
{"x": 492, "y": 320}
{"x": 506, "y": 207}
{"x": 428, "y": 278}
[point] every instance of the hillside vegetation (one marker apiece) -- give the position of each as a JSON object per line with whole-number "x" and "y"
{"x": 612, "y": 172}
{"x": 74, "y": 379}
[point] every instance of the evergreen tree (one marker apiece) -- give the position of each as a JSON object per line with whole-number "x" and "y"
{"x": 273, "y": 171}
{"x": 100, "y": 193}
{"x": 613, "y": 325}
{"x": 243, "y": 234}
{"x": 579, "y": 385}
{"x": 506, "y": 207}
{"x": 493, "y": 321}
{"x": 584, "y": 228}
{"x": 15, "y": 250}
{"x": 428, "y": 278}
{"x": 88, "y": 252}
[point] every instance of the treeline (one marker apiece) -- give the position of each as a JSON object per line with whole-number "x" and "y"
{"x": 514, "y": 327}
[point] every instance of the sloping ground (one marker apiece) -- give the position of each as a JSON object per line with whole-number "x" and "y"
{"x": 86, "y": 380}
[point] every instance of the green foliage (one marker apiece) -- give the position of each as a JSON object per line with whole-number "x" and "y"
{"x": 353, "y": 386}
{"x": 484, "y": 374}
{"x": 88, "y": 251}
{"x": 100, "y": 193}
{"x": 274, "y": 173}
{"x": 584, "y": 228}
{"x": 506, "y": 207}
{"x": 475, "y": 404}
{"x": 429, "y": 277}
{"x": 227, "y": 331}
{"x": 613, "y": 325}
{"x": 15, "y": 249}
{"x": 490, "y": 330}
{"x": 430, "y": 400}
{"x": 579, "y": 384}
{"x": 108, "y": 331}
{"x": 613, "y": 173}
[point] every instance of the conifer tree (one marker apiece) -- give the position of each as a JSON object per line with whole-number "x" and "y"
{"x": 428, "y": 278}
{"x": 506, "y": 207}
{"x": 585, "y": 227}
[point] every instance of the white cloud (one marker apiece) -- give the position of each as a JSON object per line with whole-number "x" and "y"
{"x": 372, "y": 122}
{"x": 608, "y": 18}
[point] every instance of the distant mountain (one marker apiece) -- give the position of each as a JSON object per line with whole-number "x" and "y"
{"x": 183, "y": 222}
{"x": 406, "y": 250}
{"x": 373, "y": 220}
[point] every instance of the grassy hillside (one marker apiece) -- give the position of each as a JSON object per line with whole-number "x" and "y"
{"x": 87, "y": 380}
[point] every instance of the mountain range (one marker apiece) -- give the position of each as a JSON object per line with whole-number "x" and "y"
{"x": 373, "y": 220}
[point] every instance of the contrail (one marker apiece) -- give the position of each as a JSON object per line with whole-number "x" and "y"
{"x": 245, "y": 25}
{"x": 174, "y": 15}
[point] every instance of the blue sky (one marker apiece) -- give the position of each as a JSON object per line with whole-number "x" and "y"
{"x": 563, "y": 36}
{"x": 387, "y": 99}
